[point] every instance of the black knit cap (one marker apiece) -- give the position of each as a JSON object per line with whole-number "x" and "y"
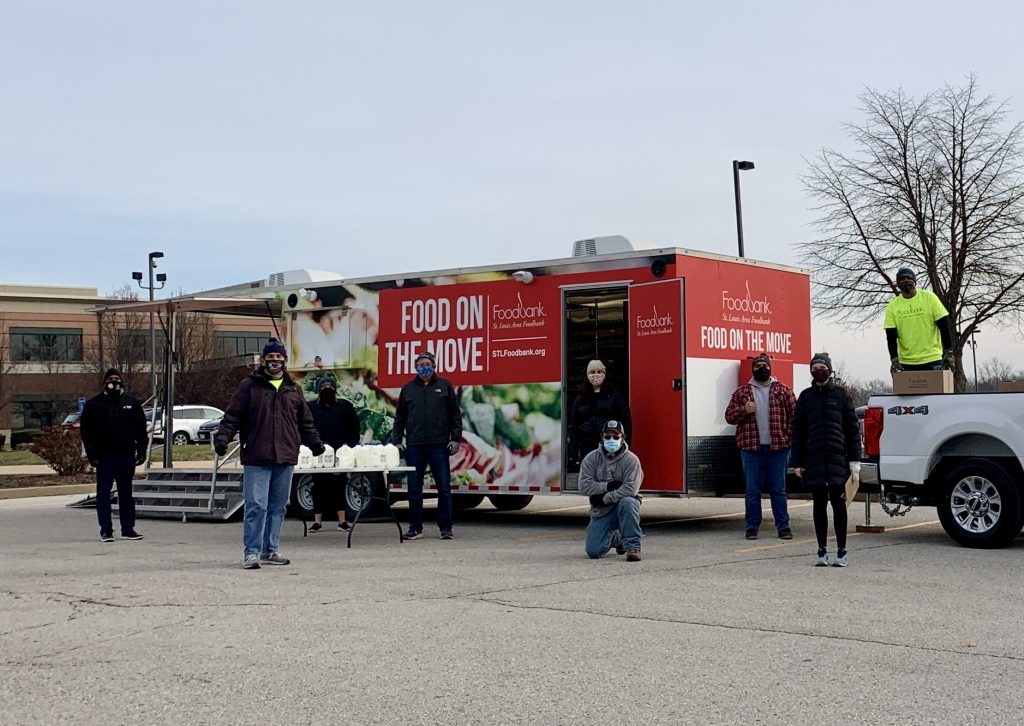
{"x": 428, "y": 355}
{"x": 274, "y": 346}
{"x": 327, "y": 383}
{"x": 822, "y": 358}
{"x": 762, "y": 358}
{"x": 111, "y": 372}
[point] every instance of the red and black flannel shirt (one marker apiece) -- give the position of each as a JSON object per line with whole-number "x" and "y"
{"x": 781, "y": 404}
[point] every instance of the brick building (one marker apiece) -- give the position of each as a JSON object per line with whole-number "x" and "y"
{"x": 54, "y": 346}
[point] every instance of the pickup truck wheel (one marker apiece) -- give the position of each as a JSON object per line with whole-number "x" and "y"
{"x": 979, "y": 504}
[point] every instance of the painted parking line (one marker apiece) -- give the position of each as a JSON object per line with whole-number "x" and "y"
{"x": 731, "y": 515}
{"x": 790, "y": 543}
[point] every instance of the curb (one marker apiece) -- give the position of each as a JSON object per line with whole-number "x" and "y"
{"x": 58, "y": 490}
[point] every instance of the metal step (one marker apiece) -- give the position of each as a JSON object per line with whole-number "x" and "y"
{"x": 186, "y": 493}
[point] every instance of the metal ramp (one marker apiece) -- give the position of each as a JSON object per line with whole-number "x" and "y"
{"x": 188, "y": 494}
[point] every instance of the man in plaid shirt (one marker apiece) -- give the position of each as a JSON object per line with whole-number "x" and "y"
{"x": 762, "y": 412}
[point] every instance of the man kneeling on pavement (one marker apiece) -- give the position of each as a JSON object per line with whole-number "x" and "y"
{"x": 611, "y": 476}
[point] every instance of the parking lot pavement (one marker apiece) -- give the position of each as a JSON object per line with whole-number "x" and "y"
{"x": 507, "y": 624}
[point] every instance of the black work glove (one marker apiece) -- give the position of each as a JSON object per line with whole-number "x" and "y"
{"x": 597, "y": 500}
{"x": 140, "y": 458}
{"x": 614, "y": 484}
{"x": 896, "y": 366}
{"x": 94, "y": 463}
{"x": 318, "y": 450}
{"x": 220, "y": 448}
{"x": 453, "y": 448}
{"x": 948, "y": 359}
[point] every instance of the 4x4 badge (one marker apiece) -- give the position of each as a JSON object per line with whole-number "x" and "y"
{"x": 908, "y": 410}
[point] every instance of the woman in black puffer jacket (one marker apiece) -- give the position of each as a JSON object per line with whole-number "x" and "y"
{"x": 825, "y": 451}
{"x": 597, "y": 403}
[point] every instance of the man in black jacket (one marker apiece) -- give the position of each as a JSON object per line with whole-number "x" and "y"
{"x": 271, "y": 417}
{"x": 429, "y": 416}
{"x": 337, "y": 423}
{"x": 114, "y": 435}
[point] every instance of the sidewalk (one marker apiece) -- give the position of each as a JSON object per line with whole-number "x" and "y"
{"x": 30, "y": 469}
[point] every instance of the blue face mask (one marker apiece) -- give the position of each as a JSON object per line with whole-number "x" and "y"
{"x": 612, "y": 445}
{"x": 425, "y": 371}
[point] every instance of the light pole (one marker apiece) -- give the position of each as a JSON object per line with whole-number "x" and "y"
{"x": 162, "y": 279}
{"x": 974, "y": 358}
{"x": 737, "y": 167}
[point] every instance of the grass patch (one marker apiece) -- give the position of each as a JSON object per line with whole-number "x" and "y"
{"x": 19, "y": 458}
{"x": 188, "y": 452}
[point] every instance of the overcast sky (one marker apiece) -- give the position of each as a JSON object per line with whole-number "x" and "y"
{"x": 243, "y": 138}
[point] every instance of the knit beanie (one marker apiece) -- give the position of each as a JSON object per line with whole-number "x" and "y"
{"x": 595, "y": 365}
{"x": 822, "y": 358}
{"x": 274, "y": 346}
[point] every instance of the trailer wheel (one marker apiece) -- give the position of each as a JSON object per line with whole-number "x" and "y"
{"x": 357, "y": 495}
{"x": 462, "y": 502}
{"x": 302, "y": 496}
{"x": 510, "y": 502}
{"x": 979, "y": 504}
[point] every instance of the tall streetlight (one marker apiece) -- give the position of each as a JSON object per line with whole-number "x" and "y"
{"x": 162, "y": 279}
{"x": 974, "y": 356}
{"x": 737, "y": 167}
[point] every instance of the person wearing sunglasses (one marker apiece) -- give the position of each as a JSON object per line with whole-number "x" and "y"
{"x": 762, "y": 412}
{"x": 611, "y": 476}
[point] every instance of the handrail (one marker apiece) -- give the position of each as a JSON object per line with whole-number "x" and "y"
{"x": 217, "y": 463}
{"x": 152, "y": 433}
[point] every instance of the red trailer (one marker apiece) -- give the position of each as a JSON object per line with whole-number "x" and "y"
{"x": 676, "y": 329}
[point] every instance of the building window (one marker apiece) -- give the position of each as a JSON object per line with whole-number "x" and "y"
{"x": 132, "y": 346}
{"x": 229, "y": 344}
{"x": 46, "y": 344}
{"x": 39, "y": 411}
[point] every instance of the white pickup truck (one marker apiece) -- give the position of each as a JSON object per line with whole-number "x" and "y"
{"x": 961, "y": 453}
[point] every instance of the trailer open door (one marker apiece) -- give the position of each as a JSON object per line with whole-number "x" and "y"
{"x": 657, "y": 382}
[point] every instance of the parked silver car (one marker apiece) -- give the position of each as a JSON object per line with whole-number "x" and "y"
{"x": 187, "y": 422}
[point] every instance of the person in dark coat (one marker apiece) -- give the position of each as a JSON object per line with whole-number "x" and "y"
{"x": 826, "y": 451}
{"x": 336, "y": 422}
{"x": 429, "y": 417}
{"x": 113, "y": 430}
{"x": 598, "y": 402}
{"x": 270, "y": 415}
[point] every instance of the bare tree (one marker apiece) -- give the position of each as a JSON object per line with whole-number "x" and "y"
{"x": 935, "y": 184}
{"x": 994, "y": 370}
{"x": 122, "y": 342}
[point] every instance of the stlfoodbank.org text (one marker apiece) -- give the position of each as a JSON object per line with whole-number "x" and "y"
{"x": 518, "y": 353}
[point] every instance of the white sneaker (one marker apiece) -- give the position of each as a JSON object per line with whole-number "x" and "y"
{"x": 251, "y": 562}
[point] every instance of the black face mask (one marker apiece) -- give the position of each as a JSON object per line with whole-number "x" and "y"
{"x": 905, "y": 286}
{"x": 113, "y": 388}
{"x": 820, "y": 376}
{"x": 328, "y": 395}
{"x": 762, "y": 374}
{"x": 275, "y": 366}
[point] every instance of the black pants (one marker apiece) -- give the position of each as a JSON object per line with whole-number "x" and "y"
{"x": 935, "y": 365}
{"x": 821, "y": 497}
{"x": 329, "y": 493}
{"x": 118, "y": 468}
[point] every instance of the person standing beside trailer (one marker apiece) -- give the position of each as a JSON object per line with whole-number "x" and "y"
{"x": 611, "y": 476}
{"x": 598, "y": 402}
{"x": 428, "y": 415}
{"x": 826, "y": 451}
{"x": 270, "y": 415}
{"x": 336, "y": 422}
{"x": 917, "y": 328}
{"x": 762, "y": 412}
{"x": 113, "y": 430}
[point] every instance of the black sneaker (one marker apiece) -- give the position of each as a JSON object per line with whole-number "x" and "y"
{"x": 107, "y": 535}
{"x": 412, "y": 534}
{"x": 130, "y": 534}
{"x": 344, "y": 526}
{"x": 274, "y": 558}
{"x": 447, "y": 534}
{"x": 786, "y": 533}
{"x": 751, "y": 534}
{"x": 315, "y": 527}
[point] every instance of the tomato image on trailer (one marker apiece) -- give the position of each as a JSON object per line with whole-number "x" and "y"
{"x": 676, "y": 330}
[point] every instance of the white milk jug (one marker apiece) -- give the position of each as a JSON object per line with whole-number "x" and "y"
{"x": 391, "y": 456}
{"x": 346, "y": 457}
{"x": 305, "y": 458}
{"x": 326, "y": 459}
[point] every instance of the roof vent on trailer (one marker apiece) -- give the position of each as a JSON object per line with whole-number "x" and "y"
{"x": 299, "y": 277}
{"x": 601, "y": 246}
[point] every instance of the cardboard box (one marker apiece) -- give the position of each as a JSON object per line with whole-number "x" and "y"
{"x": 1010, "y": 386}
{"x": 915, "y": 382}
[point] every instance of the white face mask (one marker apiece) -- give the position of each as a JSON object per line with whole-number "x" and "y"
{"x": 596, "y": 378}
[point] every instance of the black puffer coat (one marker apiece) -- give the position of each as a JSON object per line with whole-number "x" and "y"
{"x": 590, "y": 412}
{"x": 826, "y": 437}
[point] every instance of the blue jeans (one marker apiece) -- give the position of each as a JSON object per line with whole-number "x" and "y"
{"x": 118, "y": 468}
{"x": 266, "y": 489}
{"x": 436, "y": 457}
{"x": 766, "y": 469}
{"x": 624, "y": 519}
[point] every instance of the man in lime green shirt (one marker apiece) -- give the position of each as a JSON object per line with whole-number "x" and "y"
{"x": 917, "y": 328}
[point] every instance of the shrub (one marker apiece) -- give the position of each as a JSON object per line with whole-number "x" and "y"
{"x": 62, "y": 450}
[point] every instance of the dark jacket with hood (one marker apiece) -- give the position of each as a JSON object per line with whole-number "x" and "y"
{"x": 428, "y": 412}
{"x": 113, "y": 425}
{"x": 337, "y": 422}
{"x": 826, "y": 436}
{"x": 270, "y": 422}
